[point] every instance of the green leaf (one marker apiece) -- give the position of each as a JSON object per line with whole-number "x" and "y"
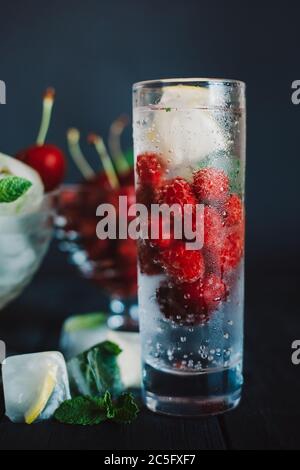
{"x": 81, "y": 410}
{"x": 86, "y": 410}
{"x": 85, "y": 322}
{"x": 12, "y": 188}
{"x": 96, "y": 371}
{"x": 125, "y": 409}
{"x": 235, "y": 176}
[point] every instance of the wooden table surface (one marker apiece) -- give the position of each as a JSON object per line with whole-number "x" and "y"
{"x": 268, "y": 416}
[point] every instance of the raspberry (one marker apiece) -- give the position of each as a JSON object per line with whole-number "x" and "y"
{"x": 211, "y": 185}
{"x": 176, "y": 307}
{"x": 149, "y": 168}
{"x": 176, "y": 191}
{"x": 165, "y": 236}
{"x": 232, "y": 249}
{"x": 212, "y": 260}
{"x": 204, "y": 296}
{"x": 233, "y": 210}
{"x": 192, "y": 292}
{"x": 214, "y": 291}
{"x": 145, "y": 195}
{"x": 213, "y": 227}
{"x": 182, "y": 264}
{"x": 148, "y": 258}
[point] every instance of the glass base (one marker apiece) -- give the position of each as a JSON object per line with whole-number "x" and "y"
{"x": 192, "y": 406}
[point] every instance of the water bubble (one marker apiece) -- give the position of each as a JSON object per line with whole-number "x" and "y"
{"x": 226, "y": 335}
{"x": 183, "y": 339}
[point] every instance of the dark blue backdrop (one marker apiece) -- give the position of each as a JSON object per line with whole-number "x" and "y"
{"x": 92, "y": 51}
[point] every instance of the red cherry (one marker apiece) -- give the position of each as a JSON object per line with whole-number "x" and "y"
{"x": 49, "y": 161}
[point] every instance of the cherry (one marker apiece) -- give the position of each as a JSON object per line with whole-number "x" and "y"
{"x": 48, "y": 160}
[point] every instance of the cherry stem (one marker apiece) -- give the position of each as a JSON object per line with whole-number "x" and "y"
{"x": 48, "y": 101}
{"x": 73, "y": 138}
{"x": 101, "y": 149}
{"x": 114, "y": 142}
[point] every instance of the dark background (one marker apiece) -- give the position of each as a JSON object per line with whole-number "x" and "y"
{"x": 91, "y": 52}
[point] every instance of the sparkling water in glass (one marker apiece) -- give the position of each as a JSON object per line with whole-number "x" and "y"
{"x": 189, "y": 143}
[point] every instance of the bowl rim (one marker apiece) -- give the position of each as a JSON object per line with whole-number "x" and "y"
{"x": 40, "y": 209}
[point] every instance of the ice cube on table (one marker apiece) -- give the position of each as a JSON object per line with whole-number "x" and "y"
{"x": 81, "y": 332}
{"x": 34, "y": 386}
{"x": 129, "y": 360}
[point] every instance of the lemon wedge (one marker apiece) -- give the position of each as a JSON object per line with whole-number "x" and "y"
{"x": 45, "y": 393}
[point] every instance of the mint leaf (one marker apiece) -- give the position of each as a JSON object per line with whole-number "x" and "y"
{"x": 85, "y": 411}
{"x": 96, "y": 371}
{"x": 88, "y": 411}
{"x": 12, "y": 188}
{"x": 125, "y": 409}
{"x": 235, "y": 176}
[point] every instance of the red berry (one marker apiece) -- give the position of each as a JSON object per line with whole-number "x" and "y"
{"x": 214, "y": 291}
{"x": 212, "y": 260}
{"x": 232, "y": 249}
{"x": 182, "y": 264}
{"x": 162, "y": 234}
{"x": 176, "y": 305}
{"x": 169, "y": 303}
{"x": 192, "y": 292}
{"x": 233, "y": 210}
{"x": 149, "y": 168}
{"x": 148, "y": 258}
{"x": 211, "y": 185}
{"x": 145, "y": 195}
{"x": 176, "y": 191}
{"x": 49, "y": 161}
{"x": 213, "y": 228}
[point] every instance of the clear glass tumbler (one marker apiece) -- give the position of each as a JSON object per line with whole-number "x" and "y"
{"x": 189, "y": 142}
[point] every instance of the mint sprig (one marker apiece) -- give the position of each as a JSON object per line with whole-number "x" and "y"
{"x": 12, "y": 188}
{"x": 88, "y": 411}
{"x": 96, "y": 371}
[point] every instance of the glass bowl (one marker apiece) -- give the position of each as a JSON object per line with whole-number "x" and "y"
{"x": 24, "y": 241}
{"x": 112, "y": 264}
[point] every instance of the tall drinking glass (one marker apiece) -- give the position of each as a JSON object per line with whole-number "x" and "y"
{"x": 189, "y": 139}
